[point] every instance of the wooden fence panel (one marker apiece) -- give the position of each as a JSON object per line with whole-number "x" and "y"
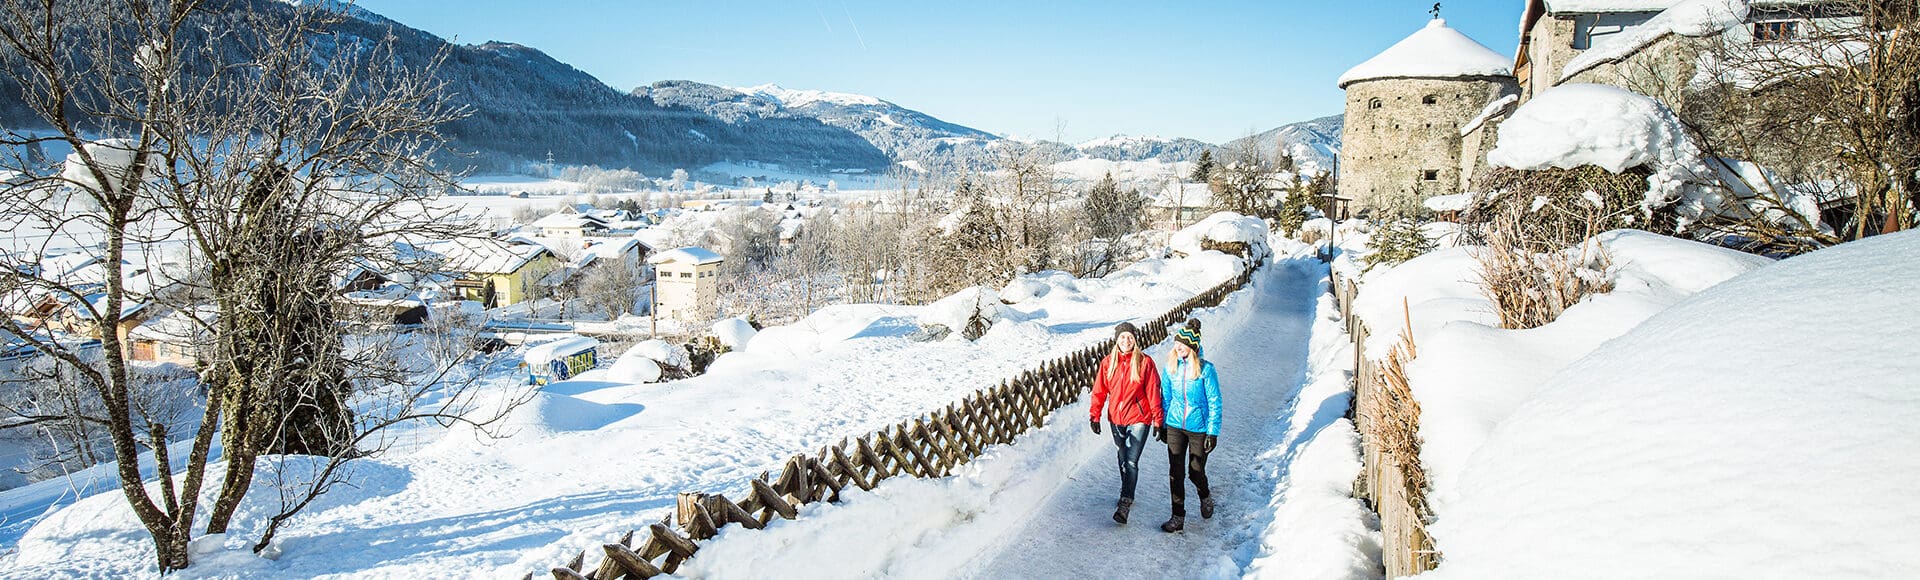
{"x": 1393, "y": 482}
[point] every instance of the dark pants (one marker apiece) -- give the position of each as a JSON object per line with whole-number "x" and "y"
{"x": 1131, "y": 439}
{"x": 1187, "y": 458}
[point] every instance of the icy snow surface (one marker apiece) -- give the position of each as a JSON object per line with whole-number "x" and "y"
{"x": 1435, "y": 51}
{"x": 1763, "y": 428}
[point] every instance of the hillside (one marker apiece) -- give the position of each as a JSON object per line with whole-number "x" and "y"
{"x": 1314, "y": 144}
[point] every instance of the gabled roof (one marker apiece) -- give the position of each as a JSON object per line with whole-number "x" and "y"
{"x": 485, "y": 256}
{"x": 687, "y": 255}
{"x": 1435, "y": 52}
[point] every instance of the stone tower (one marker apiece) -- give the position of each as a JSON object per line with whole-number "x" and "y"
{"x": 1401, "y": 142}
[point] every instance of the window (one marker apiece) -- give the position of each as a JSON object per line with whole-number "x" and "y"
{"x": 1776, "y": 31}
{"x": 686, "y": 274}
{"x": 1374, "y": 103}
{"x": 1430, "y": 175}
{"x": 1430, "y": 100}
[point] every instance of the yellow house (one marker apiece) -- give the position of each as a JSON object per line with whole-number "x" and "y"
{"x": 686, "y": 283}
{"x": 493, "y": 272}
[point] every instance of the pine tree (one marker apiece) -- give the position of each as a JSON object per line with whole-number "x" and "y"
{"x": 1103, "y": 208}
{"x": 1203, "y": 167}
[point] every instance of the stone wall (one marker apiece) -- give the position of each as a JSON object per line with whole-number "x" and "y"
{"x": 1549, "y": 47}
{"x": 1401, "y": 142}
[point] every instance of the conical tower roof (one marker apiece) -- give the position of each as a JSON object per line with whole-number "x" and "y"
{"x": 1435, "y": 52}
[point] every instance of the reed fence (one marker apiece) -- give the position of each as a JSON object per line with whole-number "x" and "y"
{"x": 931, "y": 445}
{"x": 1393, "y": 482}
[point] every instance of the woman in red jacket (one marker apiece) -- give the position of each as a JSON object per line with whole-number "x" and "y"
{"x": 1127, "y": 387}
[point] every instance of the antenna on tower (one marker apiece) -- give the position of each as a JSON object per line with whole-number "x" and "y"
{"x": 1435, "y": 11}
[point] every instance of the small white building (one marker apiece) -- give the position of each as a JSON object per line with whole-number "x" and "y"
{"x": 687, "y": 283}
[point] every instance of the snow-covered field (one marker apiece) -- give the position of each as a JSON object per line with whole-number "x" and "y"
{"x": 592, "y": 458}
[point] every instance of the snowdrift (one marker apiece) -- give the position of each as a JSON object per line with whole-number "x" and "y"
{"x": 1763, "y": 428}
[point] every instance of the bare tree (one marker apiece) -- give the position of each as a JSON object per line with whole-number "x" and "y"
{"x": 1833, "y": 100}
{"x": 277, "y": 160}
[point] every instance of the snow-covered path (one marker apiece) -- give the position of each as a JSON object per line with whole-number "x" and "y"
{"x": 1260, "y": 352}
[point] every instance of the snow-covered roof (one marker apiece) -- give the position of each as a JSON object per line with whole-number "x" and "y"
{"x": 1599, "y": 6}
{"x": 485, "y": 256}
{"x": 1689, "y": 18}
{"x": 689, "y": 255}
{"x": 543, "y": 353}
{"x": 1450, "y": 202}
{"x": 1435, "y": 51}
{"x": 175, "y": 326}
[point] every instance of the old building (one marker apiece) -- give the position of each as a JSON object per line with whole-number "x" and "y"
{"x": 1403, "y": 138}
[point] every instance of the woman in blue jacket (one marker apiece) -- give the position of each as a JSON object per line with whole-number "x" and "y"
{"x": 1190, "y": 398}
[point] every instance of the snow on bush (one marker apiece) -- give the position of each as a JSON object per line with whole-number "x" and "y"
{"x": 1222, "y": 228}
{"x": 1023, "y": 289}
{"x": 634, "y": 367}
{"x": 733, "y": 332}
{"x": 667, "y": 354}
{"x": 1763, "y": 428}
{"x": 1584, "y": 124}
{"x": 956, "y": 312}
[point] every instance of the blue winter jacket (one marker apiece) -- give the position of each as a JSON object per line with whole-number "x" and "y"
{"x": 1191, "y": 404}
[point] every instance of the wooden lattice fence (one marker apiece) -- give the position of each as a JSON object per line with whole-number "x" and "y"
{"x": 1393, "y": 482}
{"x": 928, "y": 446}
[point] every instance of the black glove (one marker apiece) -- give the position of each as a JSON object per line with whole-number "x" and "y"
{"x": 1211, "y": 441}
{"x": 1160, "y": 433}
{"x": 1095, "y": 425}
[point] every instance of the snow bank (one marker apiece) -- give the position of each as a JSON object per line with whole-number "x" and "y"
{"x": 1760, "y": 429}
{"x": 733, "y": 332}
{"x": 1690, "y": 18}
{"x": 663, "y": 352}
{"x": 1471, "y": 374}
{"x": 1584, "y": 124}
{"x": 1319, "y": 530}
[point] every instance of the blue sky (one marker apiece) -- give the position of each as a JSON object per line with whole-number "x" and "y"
{"x": 1210, "y": 70}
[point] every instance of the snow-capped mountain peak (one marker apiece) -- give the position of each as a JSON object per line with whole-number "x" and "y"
{"x": 792, "y": 98}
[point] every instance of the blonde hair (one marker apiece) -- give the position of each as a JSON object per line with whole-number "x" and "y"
{"x": 1137, "y": 368}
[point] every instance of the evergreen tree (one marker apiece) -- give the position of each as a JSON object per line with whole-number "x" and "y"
{"x": 768, "y": 198}
{"x": 1203, "y": 167}
{"x": 1103, "y": 208}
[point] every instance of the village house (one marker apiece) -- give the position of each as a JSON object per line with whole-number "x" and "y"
{"x": 628, "y": 253}
{"x": 1638, "y": 46}
{"x": 686, "y": 284}
{"x": 494, "y": 272}
{"x": 1179, "y": 203}
{"x": 172, "y": 337}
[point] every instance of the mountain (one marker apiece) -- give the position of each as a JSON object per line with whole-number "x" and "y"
{"x": 1127, "y": 148}
{"x": 526, "y": 105}
{"x": 902, "y": 134}
{"x": 1314, "y": 144}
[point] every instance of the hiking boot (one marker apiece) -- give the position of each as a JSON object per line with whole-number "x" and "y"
{"x": 1120, "y": 511}
{"x": 1174, "y": 524}
{"x": 1206, "y": 508}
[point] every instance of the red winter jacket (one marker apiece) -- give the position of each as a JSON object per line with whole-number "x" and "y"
{"x": 1135, "y": 395}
